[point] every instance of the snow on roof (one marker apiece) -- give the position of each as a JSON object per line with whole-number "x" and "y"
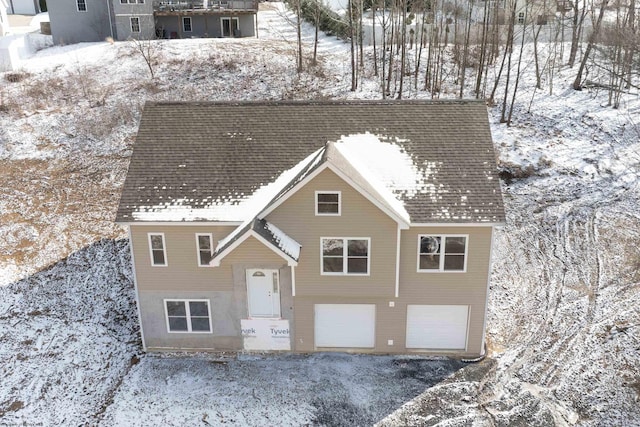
{"x": 388, "y": 168}
{"x": 235, "y": 207}
{"x": 285, "y": 243}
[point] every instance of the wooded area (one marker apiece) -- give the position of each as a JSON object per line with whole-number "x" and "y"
{"x": 480, "y": 48}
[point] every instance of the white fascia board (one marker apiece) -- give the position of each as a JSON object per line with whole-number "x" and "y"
{"x": 183, "y": 223}
{"x": 292, "y": 191}
{"x": 401, "y": 222}
{"x": 215, "y": 262}
{"x": 284, "y": 255}
{"x": 457, "y": 224}
{"x": 404, "y": 225}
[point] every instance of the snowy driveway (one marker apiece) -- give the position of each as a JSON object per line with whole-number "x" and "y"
{"x": 333, "y": 389}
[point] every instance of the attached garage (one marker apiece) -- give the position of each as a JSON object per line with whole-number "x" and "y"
{"x": 345, "y": 325}
{"x": 437, "y": 327}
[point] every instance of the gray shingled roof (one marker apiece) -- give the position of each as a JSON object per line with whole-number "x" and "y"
{"x": 196, "y": 157}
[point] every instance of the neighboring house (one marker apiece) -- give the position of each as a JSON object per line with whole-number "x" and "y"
{"x": 313, "y": 226}
{"x": 75, "y": 21}
{"x": 539, "y": 12}
{"x": 4, "y": 20}
{"x": 24, "y": 7}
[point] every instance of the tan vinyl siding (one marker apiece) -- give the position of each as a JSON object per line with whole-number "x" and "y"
{"x": 359, "y": 218}
{"x": 252, "y": 252}
{"x": 449, "y": 288}
{"x": 182, "y": 271}
{"x": 391, "y": 324}
{"x": 415, "y": 288}
{"x": 224, "y": 287}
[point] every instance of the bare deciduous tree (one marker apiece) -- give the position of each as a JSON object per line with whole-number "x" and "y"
{"x": 149, "y": 50}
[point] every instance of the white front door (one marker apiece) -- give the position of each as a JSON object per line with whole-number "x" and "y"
{"x": 263, "y": 293}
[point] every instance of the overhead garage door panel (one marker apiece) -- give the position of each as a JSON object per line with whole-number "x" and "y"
{"x": 345, "y": 325}
{"x": 437, "y": 327}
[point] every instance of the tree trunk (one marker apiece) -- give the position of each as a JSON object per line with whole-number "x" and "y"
{"x": 577, "y": 83}
{"x": 315, "y": 38}
{"x": 463, "y": 65}
{"x": 515, "y": 86}
{"x": 509, "y": 49}
{"x": 373, "y": 30}
{"x": 299, "y": 31}
{"x": 403, "y": 46}
{"x": 354, "y": 83}
{"x": 483, "y": 48}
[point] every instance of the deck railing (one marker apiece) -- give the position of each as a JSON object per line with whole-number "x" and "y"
{"x": 203, "y": 5}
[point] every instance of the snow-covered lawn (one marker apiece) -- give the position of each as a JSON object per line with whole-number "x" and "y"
{"x": 67, "y": 336}
{"x": 563, "y": 316}
{"x": 284, "y": 390}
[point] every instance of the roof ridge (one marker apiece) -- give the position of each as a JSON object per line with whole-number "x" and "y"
{"x": 322, "y": 102}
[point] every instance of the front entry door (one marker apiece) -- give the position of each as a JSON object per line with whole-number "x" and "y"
{"x": 263, "y": 293}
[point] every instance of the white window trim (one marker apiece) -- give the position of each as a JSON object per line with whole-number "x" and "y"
{"x": 345, "y": 257}
{"x": 78, "y": 6}
{"x": 230, "y": 26}
{"x": 339, "y": 193}
{"x": 184, "y": 18}
{"x": 188, "y": 314}
{"x": 164, "y": 249}
{"x": 131, "y": 24}
{"x": 442, "y": 239}
{"x": 210, "y": 235}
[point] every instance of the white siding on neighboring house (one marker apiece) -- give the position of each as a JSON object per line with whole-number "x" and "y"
{"x": 4, "y": 21}
{"x": 23, "y": 7}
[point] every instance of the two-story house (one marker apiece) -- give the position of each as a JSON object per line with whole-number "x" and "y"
{"x": 74, "y": 21}
{"x": 313, "y": 226}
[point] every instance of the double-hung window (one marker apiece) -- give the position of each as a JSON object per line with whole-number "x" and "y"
{"x": 342, "y": 256}
{"x": 188, "y": 315}
{"x": 204, "y": 242}
{"x": 81, "y": 5}
{"x": 135, "y": 24}
{"x": 157, "y": 249}
{"x": 442, "y": 253}
{"x": 328, "y": 203}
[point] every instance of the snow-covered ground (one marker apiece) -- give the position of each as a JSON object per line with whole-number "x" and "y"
{"x": 564, "y": 310}
{"x": 334, "y": 389}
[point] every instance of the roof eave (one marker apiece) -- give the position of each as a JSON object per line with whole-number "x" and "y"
{"x": 215, "y": 261}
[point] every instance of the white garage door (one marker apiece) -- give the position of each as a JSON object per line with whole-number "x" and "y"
{"x": 23, "y": 7}
{"x": 437, "y": 326}
{"x": 345, "y": 325}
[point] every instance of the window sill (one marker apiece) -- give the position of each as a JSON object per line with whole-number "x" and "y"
{"x": 346, "y": 274}
{"x": 442, "y": 271}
